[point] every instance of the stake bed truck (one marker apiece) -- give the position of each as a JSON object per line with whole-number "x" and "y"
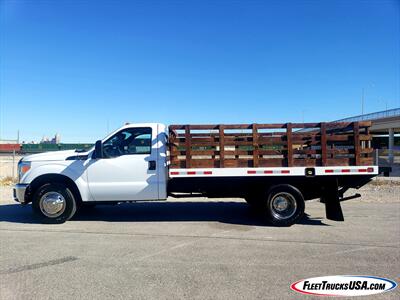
{"x": 274, "y": 167}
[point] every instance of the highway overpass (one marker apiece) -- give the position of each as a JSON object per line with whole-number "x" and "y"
{"x": 384, "y": 123}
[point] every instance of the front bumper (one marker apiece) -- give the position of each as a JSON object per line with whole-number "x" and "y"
{"x": 19, "y": 192}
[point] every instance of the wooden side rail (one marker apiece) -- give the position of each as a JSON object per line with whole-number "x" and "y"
{"x": 270, "y": 145}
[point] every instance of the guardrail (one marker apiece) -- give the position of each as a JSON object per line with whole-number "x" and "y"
{"x": 373, "y": 116}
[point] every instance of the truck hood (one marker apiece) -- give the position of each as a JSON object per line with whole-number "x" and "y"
{"x": 52, "y": 156}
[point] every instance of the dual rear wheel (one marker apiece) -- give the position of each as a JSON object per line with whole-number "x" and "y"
{"x": 282, "y": 205}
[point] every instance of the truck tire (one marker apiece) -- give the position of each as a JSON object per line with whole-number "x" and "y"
{"x": 285, "y": 205}
{"x": 54, "y": 203}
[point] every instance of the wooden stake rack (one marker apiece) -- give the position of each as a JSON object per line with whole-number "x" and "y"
{"x": 270, "y": 145}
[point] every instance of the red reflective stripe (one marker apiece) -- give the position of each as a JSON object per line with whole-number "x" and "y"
{"x": 362, "y": 170}
{"x": 285, "y": 171}
{"x": 329, "y": 171}
{"x": 191, "y": 173}
{"x": 370, "y": 169}
{"x": 345, "y": 170}
{"x": 174, "y": 173}
{"x": 207, "y": 172}
{"x": 268, "y": 172}
{"x": 251, "y": 172}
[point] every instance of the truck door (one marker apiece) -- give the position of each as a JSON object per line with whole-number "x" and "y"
{"x": 128, "y": 170}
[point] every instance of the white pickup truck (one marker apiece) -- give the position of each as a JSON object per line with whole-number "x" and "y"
{"x": 147, "y": 162}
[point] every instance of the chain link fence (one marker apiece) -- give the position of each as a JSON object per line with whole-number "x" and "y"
{"x": 8, "y": 165}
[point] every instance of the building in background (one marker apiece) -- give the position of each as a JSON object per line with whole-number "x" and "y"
{"x": 55, "y": 140}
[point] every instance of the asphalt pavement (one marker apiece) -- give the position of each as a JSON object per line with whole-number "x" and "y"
{"x": 191, "y": 249}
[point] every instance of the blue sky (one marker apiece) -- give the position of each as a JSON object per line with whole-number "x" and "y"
{"x": 80, "y": 67}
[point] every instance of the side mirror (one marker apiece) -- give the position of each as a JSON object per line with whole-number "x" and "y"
{"x": 98, "y": 150}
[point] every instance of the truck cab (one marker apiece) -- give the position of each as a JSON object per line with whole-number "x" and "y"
{"x": 131, "y": 166}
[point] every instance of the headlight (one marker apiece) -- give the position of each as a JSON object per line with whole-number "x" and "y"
{"x": 23, "y": 167}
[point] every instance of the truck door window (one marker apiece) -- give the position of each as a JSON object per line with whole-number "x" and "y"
{"x": 127, "y": 142}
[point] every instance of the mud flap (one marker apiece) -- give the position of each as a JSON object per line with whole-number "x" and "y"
{"x": 330, "y": 196}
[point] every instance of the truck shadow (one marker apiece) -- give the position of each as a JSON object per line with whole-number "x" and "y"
{"x": 225, "y": 212}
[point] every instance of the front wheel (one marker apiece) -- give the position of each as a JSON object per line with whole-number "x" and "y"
{"x": 54, "y": 203}
{"x": 285, "y": 205}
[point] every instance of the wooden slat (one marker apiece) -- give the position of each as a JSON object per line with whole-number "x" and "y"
{"x": 188, "y": 146}
{"x": 195, "y": 143}
{"x": 305, "y": 125}
{"x": 289, "y": 144}
{"x": 306, "y": 162}
{"x": 221, "y": 146}
{"x": 269, "y": 140}
{"x": 366, "y": 161}
{"x": 203, "y": 152}
{"x": 194, "y": 127}
{"x": 204, "y": 163}
{"x": 337, "y": 162}
{"x": 238, "y": 152}
{"x": 367, "y": 150}
{"x": 311, "y": 140}
{"x": 271, "y": 162}
{"x": 255, "y": 146}
{"x": 196, "y": 140}
{"x": 198, "y": 144}
{"x": 238, "y": 163}
{"x": 174, "y": 153}
{"x": 238, "y": 143}
{"x": 356, "y": 129}
{"x": 305, "y": 152}
{"x": 340, "y": 151}
{"x": 172, "y": 158}
{"x": 271, "y": 126}
{"x": 232, "y": 139}
{"x": 338, "y": 138}
{"x": 365, "y": 137}
{"x": 269, "y": 152}
{"x": 178, "y": 164}
{"x": 323, "y": 144}
{"x": 306, "y": 134}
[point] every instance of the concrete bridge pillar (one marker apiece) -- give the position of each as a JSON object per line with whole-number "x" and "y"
{"x": 391, "y": 144}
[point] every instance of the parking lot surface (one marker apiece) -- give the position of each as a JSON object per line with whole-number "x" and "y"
{"x": 191, "y": 248}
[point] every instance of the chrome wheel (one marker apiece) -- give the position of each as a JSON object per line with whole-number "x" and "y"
{"x": 283, "y": 206}
{"x": 52, "y": 204}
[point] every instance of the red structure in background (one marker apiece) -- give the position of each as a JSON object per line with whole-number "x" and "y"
{"x": 10, "y": 147}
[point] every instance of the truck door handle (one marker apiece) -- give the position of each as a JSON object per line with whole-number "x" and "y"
{"x": 152, "y": 164}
